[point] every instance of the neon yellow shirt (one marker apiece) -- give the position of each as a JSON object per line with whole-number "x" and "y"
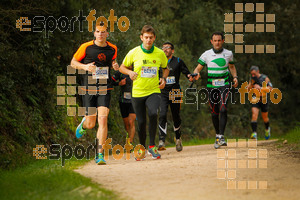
{"x": 146, "y": 65}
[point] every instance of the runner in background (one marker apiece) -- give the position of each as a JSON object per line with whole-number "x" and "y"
{"x": 256, "y": 82}
{"x": 176, "y": 67}
{"x": 219, "y": 62}
{"x": 146, "y": 60}
{"x": 96, "y": 58}
{"x": 126, "y": 108}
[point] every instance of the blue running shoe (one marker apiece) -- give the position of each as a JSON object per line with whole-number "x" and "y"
{"x": 80, "y": 131}
{"x": 154, "y": 153}
{"x": 268, "y": 133}
{"x": 99, "y": 159}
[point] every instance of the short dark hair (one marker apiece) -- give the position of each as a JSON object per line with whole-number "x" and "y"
{"x": 169, "y": 43}
{"x": 253, "y": 67}
{"x": 148, "y": 29}
{"x": 218, "y": 33}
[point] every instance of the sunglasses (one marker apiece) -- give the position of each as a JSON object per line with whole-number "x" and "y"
{"x": 163, "y": 48}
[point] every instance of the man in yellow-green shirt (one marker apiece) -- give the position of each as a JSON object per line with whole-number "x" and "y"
{"x": 146, "y": 61}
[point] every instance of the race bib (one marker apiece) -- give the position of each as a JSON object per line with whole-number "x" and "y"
{"x": 218, "y": 82}
{"x": 127, "y": 95}
{"x": 149, "y": 72}
{"x": 170, "y": 80}
{"x": 101, "y": 73}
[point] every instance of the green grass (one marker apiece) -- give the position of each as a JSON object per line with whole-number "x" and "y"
{"x": 292, "y": 137}
{"x": 196, "y": 141}
{"x": 47, "y": 179}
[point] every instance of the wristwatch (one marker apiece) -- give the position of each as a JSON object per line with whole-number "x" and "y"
{"x": 236, "y": 77}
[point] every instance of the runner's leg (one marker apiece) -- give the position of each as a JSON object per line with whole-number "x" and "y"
{"x": 267, "y": 124}
{"x": 255, "y": 112}
{"x": 214, "y": 106}
{"x": 131, "y": 122}
{"x": 89, "y": 121}
{"x": 125, "y": 114}
{"x": 175, "y": 110}
{"x": 163, "y": 117}
{"x": 152, "y": 103}
{"x": 264, "y": 114}
{"x": 140, "y": 111}
{"x": 223, "y": 109}
{"x": 90, "y": 104}
{"x": 102, "y": 122}
{"x": 265, "y": 119}
{"x": 126, "y": 124}
{"x": 103, "y": 103}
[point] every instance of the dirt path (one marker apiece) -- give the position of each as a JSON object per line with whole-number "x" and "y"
{"x": 192, "y": 174}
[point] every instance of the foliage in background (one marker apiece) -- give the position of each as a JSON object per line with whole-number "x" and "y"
{"x": 30, "y": 63}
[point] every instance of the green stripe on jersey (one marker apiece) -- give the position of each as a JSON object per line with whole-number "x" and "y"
{"x": 217, "y": 69}
{"x": 217, "y": 75}
{"x": 201, "y": 62}
{"x": 211, "y": 79}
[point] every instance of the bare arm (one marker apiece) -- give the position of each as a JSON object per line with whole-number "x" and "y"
{"x": 165, "y": 72}
{"x": 115, "y": 65}
{"x": 124, "y": 70}
{"x": 86, "y": 67}
{"x": 267, "y": 81}
{"x": 162, "y": 81}
{"x": 198, "y": 70}
{"x": 232, "y": 70}
{"x": 250, "y": 85}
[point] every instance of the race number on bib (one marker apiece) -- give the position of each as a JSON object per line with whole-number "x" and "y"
{"x": 101, "y": 73}
{"x": 149, "y": 72}
{"x": 218, "y": 82}
{"x": 170, "y": 80}
{"x": 127, "y": 95}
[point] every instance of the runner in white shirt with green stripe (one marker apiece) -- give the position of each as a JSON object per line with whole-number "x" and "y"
{"x": 217, "y": 66}
{"x": 219, "y": 62}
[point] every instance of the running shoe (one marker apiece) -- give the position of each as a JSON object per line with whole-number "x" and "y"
{"x": 178, "y": 145}
{"x": 268, "y": 133}
{"x": 154, "y": 153}
{"x": 100, "y": 160}
{"x": 80, "y": 131}
{"x": 128, "y": 140}
{"x": 140, "y": 157}
{"x": 254, "y": 136}
{"x": 129, "y": 143}
{"x": 220, "y": 141}
{"x": 161, "y": 146}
